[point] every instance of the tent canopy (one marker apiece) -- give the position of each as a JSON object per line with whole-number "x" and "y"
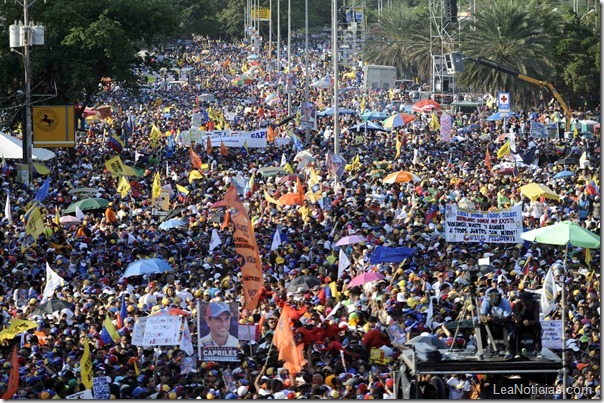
{"x": 12, "y": 148}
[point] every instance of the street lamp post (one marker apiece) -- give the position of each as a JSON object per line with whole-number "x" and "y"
{"x": 334, "y": 59}
{"x": 306, "y": 63}
{"x": 289, "y": 55}
{"x": 24, "y": 35}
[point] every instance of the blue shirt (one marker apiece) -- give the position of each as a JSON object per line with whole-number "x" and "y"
{"x": 503, "y": 310}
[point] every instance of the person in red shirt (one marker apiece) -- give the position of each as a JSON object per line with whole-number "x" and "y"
{"x": 375, "y": 338}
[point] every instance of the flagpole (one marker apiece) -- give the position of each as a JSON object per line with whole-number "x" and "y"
{"x": 563, "y": 307}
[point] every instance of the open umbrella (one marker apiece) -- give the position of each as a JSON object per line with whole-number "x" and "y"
{"x": 567, "y": 161}
{"x": 371, "y": 115}
{"x": 53, "y": 305}
{"x": 289, "y": 199}
{"x": 171, "y": 311}
{"x": 535, "y": 190}
{"x": 426, "y": 105}
{"x": 207, "y": 97}
{"x": 401, "y": 176}
{"x": 563, "y": 174}
{"x": 341, "y": 111}
{"x": 83, "y": 190}
{"x": 365, "y": 127}
{"x": 303, "y": 283}
{"x": 70, "y": 220}
{"x": 564, "y": 233}
{"x": 398, "y": 120}
{"x": 172, "y": 223}
{"x": 365, "y": 278}
{"x": 349, "y": 240}
{"x": 94, "y": 203}
{"x": 147, "y": 266}
{"x": 587, "y": 135}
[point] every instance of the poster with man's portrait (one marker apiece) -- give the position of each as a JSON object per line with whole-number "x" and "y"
{"x": 218, "y": 330}
{"x": 308, "y": 113}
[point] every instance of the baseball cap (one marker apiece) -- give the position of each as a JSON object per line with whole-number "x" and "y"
{"x": 215, "y": 309}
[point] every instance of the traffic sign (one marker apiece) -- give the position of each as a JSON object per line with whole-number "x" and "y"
{"x": 503, "y": 101}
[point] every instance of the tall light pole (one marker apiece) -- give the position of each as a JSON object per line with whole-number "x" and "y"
{"x": 306, "y": 63}
{"x": 279, "y": 36}
{"x": 334, "y": 60}
{"x": 289, "y": 55}
{"x": 24, "y": 35}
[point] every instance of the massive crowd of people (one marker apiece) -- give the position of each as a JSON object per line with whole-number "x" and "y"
{"x": 91, "y": 256}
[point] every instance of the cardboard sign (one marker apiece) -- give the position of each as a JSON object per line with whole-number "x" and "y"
{"x": 552, "y": 334}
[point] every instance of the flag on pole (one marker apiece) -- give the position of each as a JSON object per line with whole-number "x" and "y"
{"x": 227, "y": 219}
{"x": 186, "y": 343}
{"x": 53, "y": 280}
{"x": 155, "y": 134}
{"x": 343, "y": 263}
{"x": 224, "y": 151}
{"x": 245, "y": 150}
{"x": 276, "y": 240}
{"x": 289, "y": 169}
{"x": 13, "y": 377}
{"x": 283, "y": 160}
{"x": 300, "y": 190}
{"x": 270, "y": 134}
{"x": 515, "y": 169}
{"x": 194, "y": 175}
{"x": 111, "y": 330}
{"x": 208, "y": 145}
{"x": 283, "y": 338}
{"x": 43, "y": 191}
{"x": 156, "y": 188}
{"x": 123, "y": 187}
{"x": 399, "y": 144}
{"x": 183, "y": 193}
{"x": 79, "y": 213}
{"x": 215, "y": 240}
{"x": 363, "y": 105}
{"x": 86, "y": 366}
{"x": 583, "y": 160}
{"x": 431, "y": 214}
{"x": 504, "y": 150}
{"x": 195, "y": 159}
{"x": 251, "y": 183}
{"x": 7, "y": 210}
{"x": 588, "y": 257}
{"x": 123, "y": 313}
{"x": 549, "y": 293}
{"x": 116, "y": 144}
{"x": 487, "y": 159}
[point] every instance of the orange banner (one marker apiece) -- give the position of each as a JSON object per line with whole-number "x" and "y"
{"x": 13, "y": 377}
{"x": 283, "y": 339}
{"x": 248, "y": 257}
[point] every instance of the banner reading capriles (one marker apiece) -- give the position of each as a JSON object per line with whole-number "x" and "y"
{"x": 248, "y": 257}
{"x": 497, "y": 226}
{"x": 217, "y": 334}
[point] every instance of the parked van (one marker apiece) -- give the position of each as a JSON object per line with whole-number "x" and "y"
{"x": 466, "y": 107}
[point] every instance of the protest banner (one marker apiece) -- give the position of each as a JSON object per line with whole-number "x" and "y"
{"x": 83, "y": 395}
{"x": 139, "y": 331}
{"x": 100, "y": 387}
{"x": 218, "y": 331}
{"x": 552, "y": 334}
{"x": 162, "y": 330}
{"x": 496, "y": 226}
{"x": 17, "y": 326}
{"x": 247, "y": 332}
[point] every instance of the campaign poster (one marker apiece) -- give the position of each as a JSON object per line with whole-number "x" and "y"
{"x": 308, "y": 116}
{"x": 218, "y": 331}
{"x": 493, "y": 226}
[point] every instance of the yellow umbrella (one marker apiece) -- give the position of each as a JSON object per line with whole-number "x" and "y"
{"x": 535, "y": 190}
{"x": 401, "y": 176}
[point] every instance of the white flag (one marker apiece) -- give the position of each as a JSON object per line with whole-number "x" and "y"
{"x": 283, "y": 160}
{"x": 53, "y": 280}
{"x": 549, "y": 293}
{"x": 430, "y": 314}
{"x": 7, "y": 212}
{"x": 583, "y": 161}
{"x": 79, "y": 213}
{"x": 343, "y": 263}
{"x": 276, "y": 240}
{"x": 186, "y": 344}
{"x": 215, "y": 240}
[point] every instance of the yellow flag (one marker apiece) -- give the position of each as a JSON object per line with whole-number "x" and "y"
{"x": 16, "y": 327}
{"x": 156, "y": 189}
{"x": 182, "y": 189}
{"x": 86, "y": 365}
{"x": 155, "y": 134}
{"x": 123, "y": 186}
{"x": 576, "y": 131}
{"x": 363, "y": 104}
{"x": 298, "y": 117}
{"x": 399, "y": 144}
{"x": 588, "y": 257}
{"x": 504, "y": 150}
{"x": 334, "y": 290}
{"x": 356, "y": 162}
{"x": 269, "y": 198}
{"x": 137, "y": 371}
{"x": 391, "y": 94}
{"x": 312, "y": 178}
{"x": 252, "y": 180}
{"x": 289, "y": 169}
{"x": 193, "y": 175}
{"x": 108, "y": 324}
{"x": 35, "y": 224}
{"x": 57, "y": 218}
{"x": 434, "y": 123}
{"x": 115, "y": 166}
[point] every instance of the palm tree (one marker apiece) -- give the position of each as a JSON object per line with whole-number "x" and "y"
{"x": 512, "y": 35}
{"x": 401, "y": 39}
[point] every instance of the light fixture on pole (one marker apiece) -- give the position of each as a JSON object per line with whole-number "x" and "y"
{"x": 307, "y": 139}
{"x": 23, "y": 35}
{"x": 289, "y": 55}
{"x": 334, "y": 60}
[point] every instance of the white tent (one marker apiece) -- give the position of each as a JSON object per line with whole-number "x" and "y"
{"x": 12, "y": 148}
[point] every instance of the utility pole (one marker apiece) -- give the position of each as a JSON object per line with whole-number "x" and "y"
{"x": 289, "y": 55}
{"x": 26, "y": 34}
{"x": 334, "y": 59}
{"x": 306, "y": 63}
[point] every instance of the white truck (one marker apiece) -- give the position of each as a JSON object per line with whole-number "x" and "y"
{"x": 379, "y": 77}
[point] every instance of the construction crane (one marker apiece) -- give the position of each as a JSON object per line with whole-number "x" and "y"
{"x": 454, "y": 64}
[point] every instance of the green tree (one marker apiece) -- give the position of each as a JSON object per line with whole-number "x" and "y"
{"x": 510, "y": 34}
{"x": 85, "y": 42}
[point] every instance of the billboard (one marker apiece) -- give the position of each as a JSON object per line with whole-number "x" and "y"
{"x": 53, "y": 126}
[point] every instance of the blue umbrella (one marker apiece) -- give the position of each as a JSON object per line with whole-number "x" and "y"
{"x": 147, "y": 266}
{"x": 563, "y": 174}
{"x": 370, "y": 115}
{"x": 497, "y": 116}
{"x": 341, "y": 111}
{"x": 366, "y": 126}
